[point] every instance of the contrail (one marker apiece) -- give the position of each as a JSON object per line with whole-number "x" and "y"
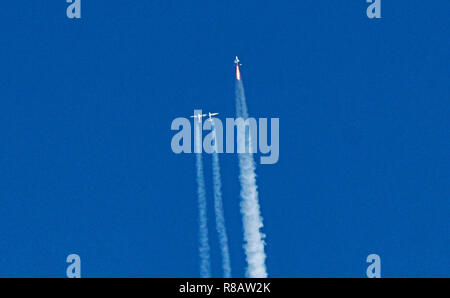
{"x": 218, "y": 206}
{"x": 205, "y": 266}
{"x": 252, "y": 220}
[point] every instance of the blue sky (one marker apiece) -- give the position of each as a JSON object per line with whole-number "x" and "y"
{"x": 85, "y": 113}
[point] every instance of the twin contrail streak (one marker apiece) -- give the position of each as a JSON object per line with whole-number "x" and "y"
{"x": 252, "y": 220}
{"x": 205, "y": 266}
{"x": 218, "y": 206}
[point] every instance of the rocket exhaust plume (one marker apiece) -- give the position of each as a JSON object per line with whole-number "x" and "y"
{"x": 218, "y": 206}
{"x": 205, "y": 266}
{"x": 252, "y": 220}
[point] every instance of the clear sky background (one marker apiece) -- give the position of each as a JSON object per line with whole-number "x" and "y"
{"x": 86, "y": 106}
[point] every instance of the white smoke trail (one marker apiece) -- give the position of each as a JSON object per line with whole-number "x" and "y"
{"x": 218, "y": 206}
{"x": 205, "y": 266}
{"x": 252, "y": 220}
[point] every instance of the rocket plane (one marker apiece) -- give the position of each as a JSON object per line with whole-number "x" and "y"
{"x": 238, "y": 72}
